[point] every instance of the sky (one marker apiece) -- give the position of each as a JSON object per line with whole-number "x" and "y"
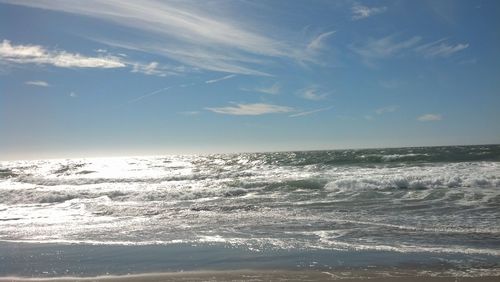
{"x": 111, "y": 78}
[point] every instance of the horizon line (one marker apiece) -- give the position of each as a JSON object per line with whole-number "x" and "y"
{"x": 247, "y": 152}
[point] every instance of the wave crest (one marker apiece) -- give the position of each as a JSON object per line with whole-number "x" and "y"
{"x": 415, "y": 182}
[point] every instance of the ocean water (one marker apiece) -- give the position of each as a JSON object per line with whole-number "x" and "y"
{"x": 430, "y": 202}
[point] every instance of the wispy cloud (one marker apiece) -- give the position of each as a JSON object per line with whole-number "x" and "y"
{"x": 385, "y": 47}
{"x": 388, "y": 109}
{"x": 73, "y": 94}
{"x": 220, "y": 79}
{"x": 314, "y": 50}
{"x": 440, "y": 48}
{"x": 197, "y": 58}
{"x": 430, "y": 117}
{"x": 273, "y": 89}
{"x": 37, "y": 83}
{"x": 183, "y": 31}
{"x": 251, "y": 109}
{"x": 391, "y": 46}
{"x": 318, "y": 42}
{"x": 361, "y": 12}
{"x": 314, "y": 93}
{"x": 154, "y": 68}
{"x": 180, "y": 21}
{"x": 310, "y": 112}
{"x": 36, "y": 54}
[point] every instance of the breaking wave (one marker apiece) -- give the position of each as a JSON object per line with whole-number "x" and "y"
{"x": 438, "y": 200}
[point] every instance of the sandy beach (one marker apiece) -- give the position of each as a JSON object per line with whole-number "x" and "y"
{"x": 254, "y": 275}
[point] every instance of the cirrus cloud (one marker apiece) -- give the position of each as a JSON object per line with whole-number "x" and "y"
{"x": 273, "y": 89}
{"x": 440, "y": 48}
{"x": 388, "y": 109}
{"x": 361, "y": 12}
{"x": 154, "y": 68}
{"x": 314, "y": 93}
{"x": 37, "y": 83}
{"x": 190, "y": 33}
{"x": 251, "y": 109}
{"x": 430, "y": 117}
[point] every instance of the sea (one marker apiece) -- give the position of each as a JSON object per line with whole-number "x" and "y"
{"x": 430, "y": 209}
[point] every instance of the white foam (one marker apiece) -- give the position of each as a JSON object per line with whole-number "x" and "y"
{"x": 248, "y": 202}
{"x": 472, "y": 175}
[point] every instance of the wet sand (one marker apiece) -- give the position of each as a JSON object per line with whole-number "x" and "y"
{"x": 254, "y": 275}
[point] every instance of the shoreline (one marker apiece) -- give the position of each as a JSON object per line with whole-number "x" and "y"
{"x": 263, "y": 275}
{"x": 184, "y": 262}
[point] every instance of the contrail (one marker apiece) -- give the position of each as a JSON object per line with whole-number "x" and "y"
{"x": 149, "y": 94}
{"x": 137, "y": 99}
{"x": 220, "y": 79}
{"x": 310, "y": 112}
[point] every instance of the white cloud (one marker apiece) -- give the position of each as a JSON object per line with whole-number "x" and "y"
{"x": 430, "y": 117}
{"x": 251, "y": 109}
{"x": 388, "y": 109}
{"x": 390, "y": 46}
{"x": 440, "y": 48}
{"x": 385, "y": 47}
{"x": 37, "y": 83}
{"x": 206, "y": 59}
{"x": 273, "y": 89}
{"x": 360, "y": 12}
{"x": 73, "y": 95}
{"x": 313, "y": 93}
{"x": 154, "y": 68}
{"x": 220, "y": 79}
{"x": 36, "y": 54}
{"x": 186, "y": 31}
{"x": 310, "y": 112}
{"x": 314, "y": 50}
{"x": 318, "y": 42}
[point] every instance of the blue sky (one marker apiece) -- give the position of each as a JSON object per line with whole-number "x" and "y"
{"x": 98, "y": 78}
